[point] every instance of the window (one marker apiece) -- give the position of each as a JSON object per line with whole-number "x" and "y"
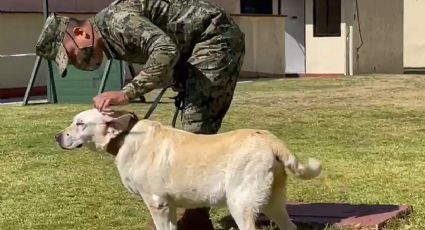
{"x": 327, "y": 18}
{"x": 257, "y": 6}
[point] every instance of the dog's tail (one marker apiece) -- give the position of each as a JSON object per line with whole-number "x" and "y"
{"x": 312, "y": 170}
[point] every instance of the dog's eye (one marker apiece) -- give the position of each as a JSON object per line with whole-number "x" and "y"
{"x": 79, "y": 123}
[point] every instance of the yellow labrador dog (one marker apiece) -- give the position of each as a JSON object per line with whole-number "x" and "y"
{"x": 169, "y": 168}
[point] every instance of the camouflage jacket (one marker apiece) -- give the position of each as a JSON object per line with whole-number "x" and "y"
{"x": 157, "y": 34}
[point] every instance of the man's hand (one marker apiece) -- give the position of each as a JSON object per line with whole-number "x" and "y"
{"x": 104, "y": 100}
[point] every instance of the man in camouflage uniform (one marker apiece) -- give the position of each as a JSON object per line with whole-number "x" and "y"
{"x": 191, "y": 45}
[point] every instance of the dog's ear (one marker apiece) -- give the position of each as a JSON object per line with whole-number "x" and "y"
{"x": 116, "y": 123}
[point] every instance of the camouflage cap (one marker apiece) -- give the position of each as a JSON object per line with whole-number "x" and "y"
{"x": 50, "y": 42}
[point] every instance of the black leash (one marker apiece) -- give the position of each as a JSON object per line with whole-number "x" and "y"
{"x": 155, "y": 103}
{"x": 178, "y": 103}
{"x": 178, "y": 100}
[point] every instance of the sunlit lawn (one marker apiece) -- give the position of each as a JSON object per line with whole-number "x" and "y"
{"x": 368, "y": 132}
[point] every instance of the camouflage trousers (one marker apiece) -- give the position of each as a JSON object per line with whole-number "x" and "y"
{"x": 211, "y": 79}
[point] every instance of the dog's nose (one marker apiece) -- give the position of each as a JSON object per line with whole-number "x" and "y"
{"x": 58, "y": 136}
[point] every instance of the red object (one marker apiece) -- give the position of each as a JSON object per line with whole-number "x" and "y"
{"x": 343, "y": 215}
{"x": 20, "y": 92}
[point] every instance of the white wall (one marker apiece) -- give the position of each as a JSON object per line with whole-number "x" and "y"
{"x": 294, "y": 36}
{"x": 324, "y": 55}
{"x": 414, "y": 33}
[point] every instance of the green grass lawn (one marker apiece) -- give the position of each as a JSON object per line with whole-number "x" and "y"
{"x": 368, "y": 132}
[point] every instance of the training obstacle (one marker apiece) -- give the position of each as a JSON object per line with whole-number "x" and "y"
{"x": 321, "y": 215}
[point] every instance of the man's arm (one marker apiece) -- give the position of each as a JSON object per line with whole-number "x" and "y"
{"x": 162, "y": 55}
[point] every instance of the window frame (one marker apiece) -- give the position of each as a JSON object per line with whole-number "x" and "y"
{"x": 327, "y": 33}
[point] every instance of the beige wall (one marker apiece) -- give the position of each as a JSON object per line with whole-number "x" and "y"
{"x": 264, "y": 43}
{"x": 414, "y": 33}
{"x": 260, "y": 57}
{"x": 19, "y": 35}
{"x": 324, "y": 55}
{"x": 381, "y": 23}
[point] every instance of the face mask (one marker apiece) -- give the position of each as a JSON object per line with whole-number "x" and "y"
{"x": 85, "y": 58}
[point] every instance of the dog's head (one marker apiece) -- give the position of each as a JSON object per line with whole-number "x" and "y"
{"x": 95, "y": 129}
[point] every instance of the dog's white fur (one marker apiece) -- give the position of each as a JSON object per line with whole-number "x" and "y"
{"x": 169, "y": 168}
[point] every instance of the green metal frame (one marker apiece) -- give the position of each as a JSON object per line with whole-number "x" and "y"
{"x": 52, "y": 96}
{"x": 105, "y": 76}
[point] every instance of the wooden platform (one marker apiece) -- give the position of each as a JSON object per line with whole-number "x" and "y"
{"x": 343, "y": 215}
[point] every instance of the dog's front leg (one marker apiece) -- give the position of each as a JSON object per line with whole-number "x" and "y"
{"x": 164, "y": 216}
